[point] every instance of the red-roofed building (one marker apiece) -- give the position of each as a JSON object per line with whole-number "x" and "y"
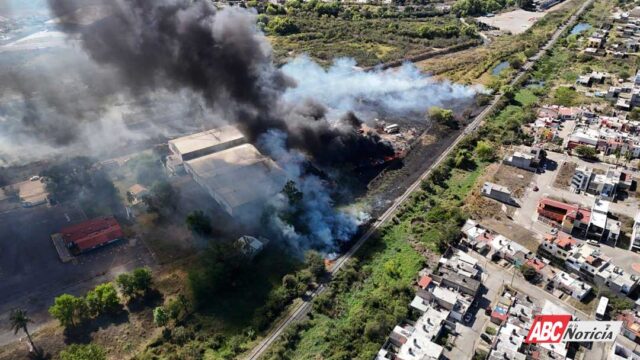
{"x": 536, "y": 264}
{"x": 92, "y": 233}
{"x": 424, "y": 282}
{"x": 569, "y": 217}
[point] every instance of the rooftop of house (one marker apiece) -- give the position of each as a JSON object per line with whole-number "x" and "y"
{"x": 419, "y": 344}
{"x": 137, "y": 190}
{"x": 489, "y": 186}
{"x": 91, "y": 233}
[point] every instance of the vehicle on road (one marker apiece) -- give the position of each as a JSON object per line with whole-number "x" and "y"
{"x": 468, "y": 318}
{"x": 593, "y": 243}
{"x": 535, "y": 188}
{"x": 34, "y": 178}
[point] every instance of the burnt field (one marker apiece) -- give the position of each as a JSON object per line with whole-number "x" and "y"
{"x": 432, "y": 141}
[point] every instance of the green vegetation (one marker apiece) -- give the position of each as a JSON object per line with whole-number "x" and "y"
{"x": 443, "y": 117}
{"x": 103, "y": 299}
{"x": 68, "y": 310}
{"x": 371, "y": 34}
{"x": 147, "y": 169}
{"x": 83, "y": 352}
{"x": 479, "y": 7}
{"x": 587, "y": 152}
{"x": 135, "y": 284}
{"x": 529, "y": 272}
{"x": 565, "y": 96}
{"x": 198, "y": 222}
{"x": 490, "y": 330}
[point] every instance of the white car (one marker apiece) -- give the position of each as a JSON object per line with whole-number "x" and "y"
{"x": 34, "y": 178}
{"x": 593, "y": 243}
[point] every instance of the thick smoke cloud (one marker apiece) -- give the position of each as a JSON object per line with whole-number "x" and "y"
{"x": 177, "y": 44}
{"x": 343, "y": 88}
{"x": 326, "y": 226}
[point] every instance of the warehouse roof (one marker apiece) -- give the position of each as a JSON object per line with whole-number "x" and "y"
{"x": 239, "y": 175}
{"x": 207, "y": 139}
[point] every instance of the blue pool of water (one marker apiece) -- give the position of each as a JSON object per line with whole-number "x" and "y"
{"x": 498, "y": 69}
{"x": 580, "y": 28}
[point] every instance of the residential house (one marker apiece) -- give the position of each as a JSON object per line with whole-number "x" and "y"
{"x": 476, "y": 237}
{"x": 525, "y": 160}
{"x": 635, "y": 235}
{"x": 571, "y": 285}
{"x": 630, "y": 325}
{"x": 136, "y": 193}
{"x": 559, "y": 246}
{"x": 497, "y": 192}
{"x": 621, "y": 352}
{"x": 416, "y": 340}
{"x": 510, "y": 250}
{"x": 251, "y": 246}
{"x": 572, "y": 219}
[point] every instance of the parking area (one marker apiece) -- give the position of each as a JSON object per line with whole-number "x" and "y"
{"x": 31, "y": 273}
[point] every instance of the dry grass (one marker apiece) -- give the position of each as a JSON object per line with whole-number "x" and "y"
{"x": 563, "y": 179}
{"x": 517, "y": 180}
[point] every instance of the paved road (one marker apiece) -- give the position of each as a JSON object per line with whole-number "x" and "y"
{"x": 299, "y": 311}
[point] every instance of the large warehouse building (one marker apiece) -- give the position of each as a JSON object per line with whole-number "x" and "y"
{"x": 234, "y": 173}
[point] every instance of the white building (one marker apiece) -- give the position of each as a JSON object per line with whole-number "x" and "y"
{"x": 238, "y": 178}
{"x": 571, "y": 285}
{"x": 497, "y": 192}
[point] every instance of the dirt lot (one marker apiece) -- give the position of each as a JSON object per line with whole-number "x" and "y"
{"x": 517, "y": 180}
{"x": 514, "y": 22}
{"x": 563, "y": 179}
{"x": 513, "y": 231}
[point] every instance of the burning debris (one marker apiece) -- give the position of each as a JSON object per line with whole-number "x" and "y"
{"x": 141, "y": 48}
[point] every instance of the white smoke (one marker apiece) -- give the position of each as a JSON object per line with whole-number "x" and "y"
{"x": 327, "y": 226}
{"x": 343, "y": 87}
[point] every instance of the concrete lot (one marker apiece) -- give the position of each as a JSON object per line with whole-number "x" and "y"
{"x": 31, "y": 274}
{"x": 515, "y": 22}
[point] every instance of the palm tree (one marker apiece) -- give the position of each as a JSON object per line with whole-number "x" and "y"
{"x": 19, "y": 321}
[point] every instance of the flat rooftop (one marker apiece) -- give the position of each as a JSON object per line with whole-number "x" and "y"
{"x": 207, "y": 139}
{"x": 237, "y": 176}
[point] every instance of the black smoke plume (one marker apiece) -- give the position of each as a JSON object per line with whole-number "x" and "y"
{"x": 219, "y": 54}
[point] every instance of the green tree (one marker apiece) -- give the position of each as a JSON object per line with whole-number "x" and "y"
{"x": 587, "y": 152}
{"x": 485, "y": 151}
{"x": 282, "y": 26}
{"x": 142, "y": 280}
{"x": 83, "y": 352}
{"x": 442, "y": 116}
{"x": 528, "y": 272}
{"x": 565, "y": 96}
{"x": 199, "y": 223}
{"x": 68, "y": 309}
{"x": 126, "y": 285}
{"x": 315, "y": 263}
{"x": 160, "y": 316}
{"x": 19, "y": 321}
{"x": 104, "y": 298}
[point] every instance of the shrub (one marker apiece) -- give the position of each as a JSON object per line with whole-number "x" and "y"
{"x": 83, "y": 352}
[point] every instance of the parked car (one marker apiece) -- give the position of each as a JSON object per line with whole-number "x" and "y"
{"x": 554, "y": 231}
{"x": 593, "y": 243}
{"x": 535, "y": 188}
{"x": 486, "y": 338}
{"x": 468, "y": 318}
{"x": 34, "y": 178}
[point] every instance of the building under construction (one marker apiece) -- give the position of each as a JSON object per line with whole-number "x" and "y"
{"x": 236, "y": 175}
